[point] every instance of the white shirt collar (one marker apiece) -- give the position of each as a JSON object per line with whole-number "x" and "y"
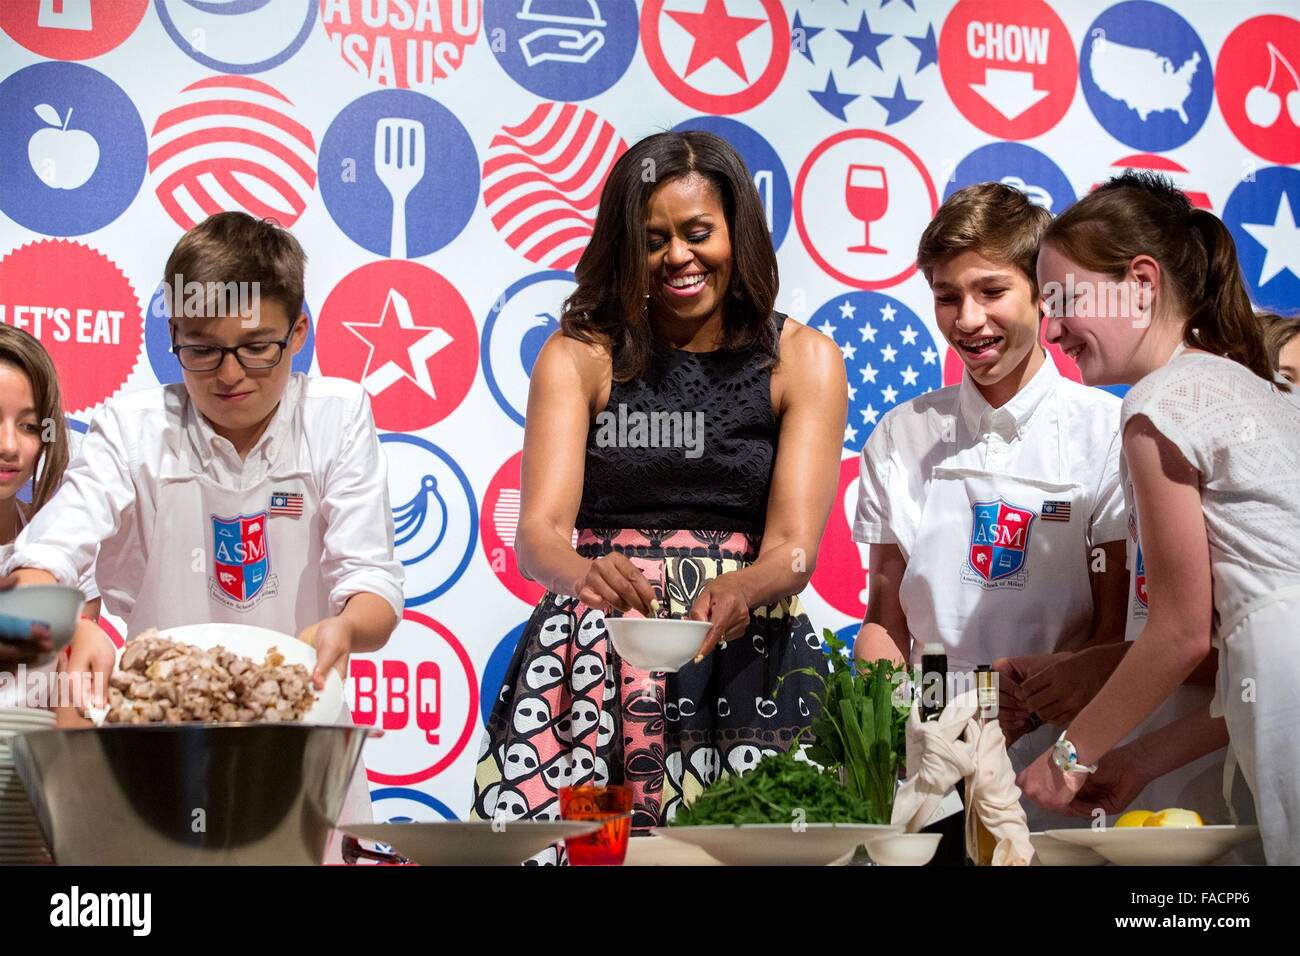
{"x": 208, "y": 444}
{"x": 1012, "y": 418}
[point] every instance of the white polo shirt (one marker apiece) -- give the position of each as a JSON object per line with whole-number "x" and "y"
{"x": 954, "y": 427}
{"x": 108, "y": 495}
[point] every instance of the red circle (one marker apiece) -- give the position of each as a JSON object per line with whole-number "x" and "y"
{"x": 959, "y": 68}
{"x": 746, "y": 99}
{"x": 64, "y": 35}
{"x": 471, "y": 719}
{"x": 360, "y": 335}
{"x": 1246, "y": 62}
{"x": 839, "y": 577}
{"x": 821, "y": 148}
{"x": 398, "y": 39}
{"x": 507, "y": 479}
{"x": 80, "y": 306}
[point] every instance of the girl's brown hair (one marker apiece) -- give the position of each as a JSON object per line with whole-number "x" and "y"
{"x": 21, "y": 351}
{"x": 608, "y": 307}
{"x": 1142, "y": 213}
{"x": 1278, "y": 331}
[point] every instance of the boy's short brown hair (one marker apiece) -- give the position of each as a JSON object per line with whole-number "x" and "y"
{"x": 236, "y": 248}
{"x": 995, "y": 220}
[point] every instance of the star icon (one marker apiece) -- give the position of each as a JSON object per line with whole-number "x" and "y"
{"x": 869, "y": 375}
{"x": 888, "y": 353}
{"x": 928, "y": 47}
{"x": 853, "y": 392}
{"x": 847, "y": 309}
{"x": 398, "y": 347}
{"x": 890, "y": 394}
{"x": 909, "y": 375}
{"x": 930, "y": 355}
{"x": 827, "y": 329}
{"x": 716, "y": 36}
{"x": 868, "y": 332}
{"x": 887, "y": 312}
{"x": 1281, "y": 241}
{"x": 850, "y": 435}
{"x": 831, "y": 99}
{"x": 848, "y": 351}
{"x": 864, "y": 42}
{"x": 869, "y": 415}
{"x": 898, "y": 106}
{"x": 802, "y": 36}
{"x": 909, "y": 335}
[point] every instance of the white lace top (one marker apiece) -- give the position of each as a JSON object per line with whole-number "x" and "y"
{"x": 1243, "y": 436}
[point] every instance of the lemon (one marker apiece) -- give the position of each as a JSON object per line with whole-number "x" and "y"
{"x": 1134, "y": 818}
{"x": 1174, "y": 818}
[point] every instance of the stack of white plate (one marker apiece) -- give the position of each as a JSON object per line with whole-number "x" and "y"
{"x": 20, "y": 835}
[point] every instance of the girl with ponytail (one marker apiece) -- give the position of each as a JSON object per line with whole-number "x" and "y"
{"x": 1142, "y": 289}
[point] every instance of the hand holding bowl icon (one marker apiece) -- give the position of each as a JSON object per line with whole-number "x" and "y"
{"x": 63, "y": 158}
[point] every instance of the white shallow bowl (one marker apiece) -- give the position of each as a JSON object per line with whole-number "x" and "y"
{"x": 53, "y": 605}
{"x": 1053, "y": 852}
{"x": 903, "y": 849}
{"x": 1159, "y": 846}
{"x": 256, "y": 643}
{"x": 656, "y": 644}
{"x": 655, "y": 850}
{"x": 779, "y": 844}
{"x": 472, "y": 842}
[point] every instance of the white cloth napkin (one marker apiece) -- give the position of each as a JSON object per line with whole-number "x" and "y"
{"x": 956, "y": 746}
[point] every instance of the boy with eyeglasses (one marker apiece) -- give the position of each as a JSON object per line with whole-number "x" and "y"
{"x": 249, "y": 494}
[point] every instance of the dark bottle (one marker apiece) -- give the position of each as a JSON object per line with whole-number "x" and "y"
{"x": 934, "y": 681}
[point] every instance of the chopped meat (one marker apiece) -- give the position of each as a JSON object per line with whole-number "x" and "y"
{"x": 163, "y": 680}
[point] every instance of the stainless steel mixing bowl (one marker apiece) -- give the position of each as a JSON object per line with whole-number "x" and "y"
{"x": 188, "y": 793}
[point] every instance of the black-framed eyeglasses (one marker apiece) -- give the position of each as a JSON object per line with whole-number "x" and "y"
{"x": 251, "y": 355}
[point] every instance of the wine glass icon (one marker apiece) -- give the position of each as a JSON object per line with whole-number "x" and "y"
{"x": 866, "y": 193}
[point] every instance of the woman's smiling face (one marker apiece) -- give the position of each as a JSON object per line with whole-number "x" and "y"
{"x": 688, "y": 249}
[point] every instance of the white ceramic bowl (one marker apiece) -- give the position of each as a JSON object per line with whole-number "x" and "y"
{"x": 54, "y": 605}
{"x": 903, "y": 849}
{"x": 655, "y": 644}
{"x": 1053, "y": 852}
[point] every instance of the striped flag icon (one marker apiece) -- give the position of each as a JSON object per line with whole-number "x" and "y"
{"x": 542, "y": 181}
{"x": 232, "y": 143}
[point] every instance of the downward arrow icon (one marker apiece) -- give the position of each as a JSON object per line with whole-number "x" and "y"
{"x": 1010, "y": 92}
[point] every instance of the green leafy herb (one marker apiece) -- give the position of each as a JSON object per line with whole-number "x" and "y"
{"x": 777, "y": 790}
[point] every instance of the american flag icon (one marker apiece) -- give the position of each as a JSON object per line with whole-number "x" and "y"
{"x": 889, "y": 356}
{"x": 286, "y": 503}
{"x": 1056, "y": 511}
{"x": 542, "y": 181}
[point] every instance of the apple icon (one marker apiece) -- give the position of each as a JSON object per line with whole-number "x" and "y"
{"x": 63, "y": 158}
{"x": 531, "y": 345}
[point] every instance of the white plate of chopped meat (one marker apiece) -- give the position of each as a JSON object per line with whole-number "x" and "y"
{"x": 219, "y": 673}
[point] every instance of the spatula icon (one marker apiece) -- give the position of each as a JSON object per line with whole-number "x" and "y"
{"x": 399, "y": 164}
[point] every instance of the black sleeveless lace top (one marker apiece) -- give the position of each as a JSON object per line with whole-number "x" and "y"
{"x": 690, "y": 446}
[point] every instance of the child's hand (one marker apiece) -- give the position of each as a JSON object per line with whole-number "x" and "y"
{"x": 332, "y": 639}
{"x": 90, "y": 663}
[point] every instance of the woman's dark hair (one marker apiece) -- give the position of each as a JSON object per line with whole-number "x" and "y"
{"x": 608, "y": 307}
{"x": 1142, "y": 213}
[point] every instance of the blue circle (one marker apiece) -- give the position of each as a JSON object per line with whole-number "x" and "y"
{"x": 1154, "y": 63}
{"x": 888, "y": 352}
{"x": 158, "y": 341}
{"x": 1018, "y": 165}
{"x": 494, "y": 671}
{"x": 234, "y": 9}
{"x": 529, "y": 43}
{"x": 89, "y": 103}
{"x": 416, "y": 796}
{"x": 440, "y": 204}
{"x": 1260, "y": 204}
{"x": 473, "y": 513}
{"x": 527, "y": 349}
{"x": 765, "y": 167}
